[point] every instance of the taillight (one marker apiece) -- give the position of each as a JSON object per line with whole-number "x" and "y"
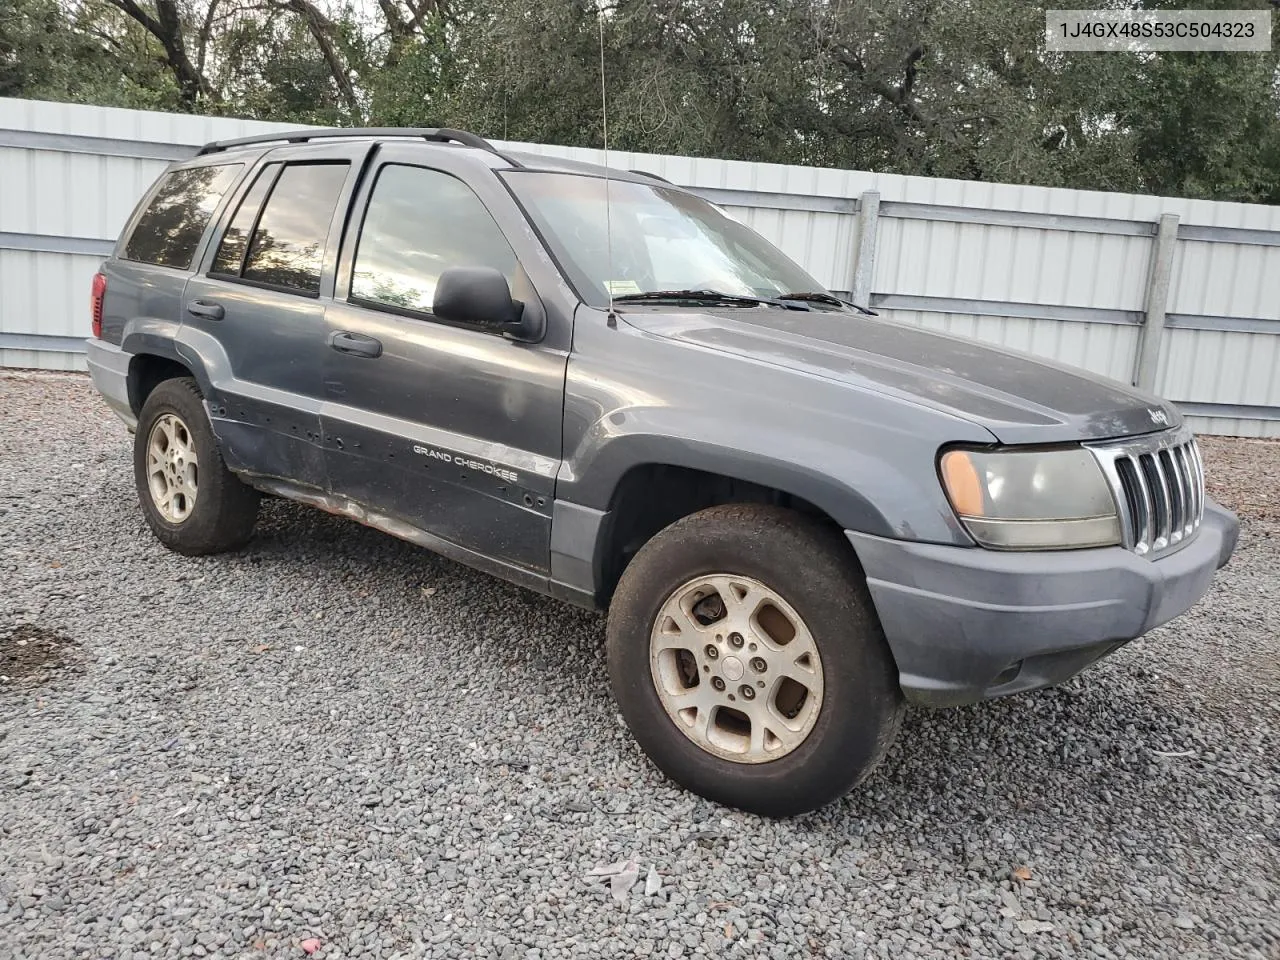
{"x": 99, "y": 292}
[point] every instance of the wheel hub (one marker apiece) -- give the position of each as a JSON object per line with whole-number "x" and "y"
{"x": 172, "y": 475}
{"x": 736, "y": 669}
{"x": 733, "y": 669}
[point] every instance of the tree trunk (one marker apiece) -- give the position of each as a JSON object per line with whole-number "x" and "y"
{"x": 323, "y": 31}
{"x": 166, "y": 27}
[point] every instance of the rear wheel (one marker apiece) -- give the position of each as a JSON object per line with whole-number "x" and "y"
{"x": 192, "y": 502}
{"x": 748, "y": 661}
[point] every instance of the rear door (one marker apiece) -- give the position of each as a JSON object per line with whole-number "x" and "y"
{"x": 256, "y": 310}
{"x": 453, "y": 429}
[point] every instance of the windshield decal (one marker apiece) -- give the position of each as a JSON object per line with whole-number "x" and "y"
{"x": 621, "y": 288}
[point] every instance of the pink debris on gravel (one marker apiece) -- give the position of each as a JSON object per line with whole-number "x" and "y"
{"x": 310, "y": 945}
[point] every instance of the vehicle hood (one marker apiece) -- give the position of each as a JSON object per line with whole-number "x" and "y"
{"x": 1019, "y": 398}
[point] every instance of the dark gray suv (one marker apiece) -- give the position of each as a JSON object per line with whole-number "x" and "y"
{"x": 596, "y": 385}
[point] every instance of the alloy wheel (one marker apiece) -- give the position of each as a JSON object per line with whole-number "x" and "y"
{"x": 736, "y": 669}
{"x": 172, "y": 468}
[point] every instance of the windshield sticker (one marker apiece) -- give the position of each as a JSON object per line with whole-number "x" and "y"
{"x": 621, "y": 288}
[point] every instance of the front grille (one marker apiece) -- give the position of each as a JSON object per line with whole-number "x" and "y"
{"x": 1158, "y": 483}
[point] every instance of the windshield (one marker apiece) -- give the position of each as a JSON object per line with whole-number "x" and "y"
{"x": 662, "y": 239}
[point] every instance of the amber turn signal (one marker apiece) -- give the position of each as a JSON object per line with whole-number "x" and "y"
{"x": 960, "y": 477}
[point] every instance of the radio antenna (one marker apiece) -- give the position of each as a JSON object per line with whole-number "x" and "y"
{"x": 608, "y": 213}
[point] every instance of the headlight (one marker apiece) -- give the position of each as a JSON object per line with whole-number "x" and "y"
{"x": 1031, "y": 499}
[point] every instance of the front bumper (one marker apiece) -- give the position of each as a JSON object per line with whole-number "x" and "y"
{"x": 109, "y": 367}
{"x": 966, "y": 624}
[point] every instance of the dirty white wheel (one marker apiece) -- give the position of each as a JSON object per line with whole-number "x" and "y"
{"x": 172, "y": 468}
{"x": 736, "y": 668}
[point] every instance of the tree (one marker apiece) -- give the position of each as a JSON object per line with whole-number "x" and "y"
{"x": 1205, "y": 126}
{"x": 82, "y": 54}
{"x": 167, "y": 27}
{"x": 949, "y": 88}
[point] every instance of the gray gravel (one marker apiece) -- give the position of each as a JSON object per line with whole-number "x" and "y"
{"x": 335, "y": 735}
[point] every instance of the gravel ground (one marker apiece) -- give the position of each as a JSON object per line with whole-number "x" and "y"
{"x": 335, "y": 737}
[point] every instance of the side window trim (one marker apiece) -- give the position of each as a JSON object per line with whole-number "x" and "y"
{"x": 253, "y": 227}
{"x": 409, "y": 313}
{"x": 424, "y": 316}
{"x": 265, "y": 285}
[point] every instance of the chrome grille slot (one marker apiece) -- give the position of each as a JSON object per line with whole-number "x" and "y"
{"x": 1178, "y": 494}
{"x": 1134, "y": 502}
{"x": 1159, "y": 499}
{"x": 1158, "y": 484}
{"x": 1187, "y": 471}
{"x": 1192, "y": 456}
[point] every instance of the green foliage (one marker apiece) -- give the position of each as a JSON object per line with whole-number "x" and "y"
{"x": 79, "y": 53}
{"x": 412, "y": 88}
{"x": 1205, "y": 126}
{"x": 947, "y": 88}
{"x": 273, "y": 72}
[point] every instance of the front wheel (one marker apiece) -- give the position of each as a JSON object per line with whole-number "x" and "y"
{"x": 747, "y": 660}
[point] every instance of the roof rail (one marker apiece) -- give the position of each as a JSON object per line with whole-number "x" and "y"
{"x": 652, "y": 176}
{"x": 434, "y": 134}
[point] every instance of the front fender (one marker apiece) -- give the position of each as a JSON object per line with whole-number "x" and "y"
{"x": 868, "y": 459}
{"x": 858, "y": 486}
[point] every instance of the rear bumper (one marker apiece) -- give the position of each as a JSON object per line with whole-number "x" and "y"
{"x": 109, "y": 367}
{"x": 967, "y": 624}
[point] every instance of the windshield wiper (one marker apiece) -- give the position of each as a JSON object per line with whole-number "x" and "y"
{"x": 830, "y": 298}
{"x": 705, "y": 296}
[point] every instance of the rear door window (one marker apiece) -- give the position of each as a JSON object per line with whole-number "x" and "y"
{"x": 286, "y": 249}
{"x": 170, "y": 228}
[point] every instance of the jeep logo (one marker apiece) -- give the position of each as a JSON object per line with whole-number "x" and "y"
{"x": 1158, "y": 416}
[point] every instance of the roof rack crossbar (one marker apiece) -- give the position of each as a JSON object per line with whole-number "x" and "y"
{"x": 434, "y": 134}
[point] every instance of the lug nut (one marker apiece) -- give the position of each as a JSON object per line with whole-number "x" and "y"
{"x": 735, "y": 640}
{"x": 717, "y": 683}
{"x": 746, "y": 692}
{"x": 758, "y": 664}
{"x": 712, "y": 652}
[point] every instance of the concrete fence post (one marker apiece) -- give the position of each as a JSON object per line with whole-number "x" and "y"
{"x": 864, "y": 257}
{"x": 1157, "y": 302}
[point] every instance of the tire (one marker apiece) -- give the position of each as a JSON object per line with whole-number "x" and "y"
{"x": 851, "y": 706}
{"x": 209, "y": 510}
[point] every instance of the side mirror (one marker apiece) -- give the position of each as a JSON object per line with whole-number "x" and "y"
{"x": 480, "y": 297}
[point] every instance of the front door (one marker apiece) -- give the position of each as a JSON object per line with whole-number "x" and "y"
{"x": 256, "y": 311}
{"x": 454, "y": 430}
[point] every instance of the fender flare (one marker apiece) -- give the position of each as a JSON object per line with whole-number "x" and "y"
{"x": 166, "y": 339}
{"x": 844, "y": 503}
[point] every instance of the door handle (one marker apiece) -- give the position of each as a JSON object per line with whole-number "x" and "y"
{"x": 356, "y": 344}
{"x": 207, "y": 309}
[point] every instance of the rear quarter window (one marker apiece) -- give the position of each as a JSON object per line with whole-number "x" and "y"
{"x": 169, "y": 229}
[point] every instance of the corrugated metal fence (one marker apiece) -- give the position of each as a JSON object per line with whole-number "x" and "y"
{"x": 1182, "y": 296}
